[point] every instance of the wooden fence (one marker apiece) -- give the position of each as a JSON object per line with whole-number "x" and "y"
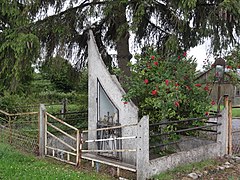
{"x": 60, "y": 144}
{"x": 20, "y": 130}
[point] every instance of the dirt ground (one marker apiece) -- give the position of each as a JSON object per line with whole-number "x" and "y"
{"x": 226, "y": 168}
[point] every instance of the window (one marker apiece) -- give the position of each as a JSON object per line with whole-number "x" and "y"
{"x": 237, "y": 91}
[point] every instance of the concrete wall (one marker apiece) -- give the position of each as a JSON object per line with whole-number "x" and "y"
{"x": 162, "y": 164}
{"x": 128, "y": 113}
{"x": 148, "y": 168}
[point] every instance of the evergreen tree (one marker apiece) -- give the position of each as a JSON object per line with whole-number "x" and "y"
{"x": 19, "y": 48}
{"x": 169, "y": 24}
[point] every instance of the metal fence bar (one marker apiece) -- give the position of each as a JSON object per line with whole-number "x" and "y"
{"x": 184, "y": 130}
{"x": 69, "y": 113}
{"x": 185, "y": 120}
{"x": 236, "y": 106}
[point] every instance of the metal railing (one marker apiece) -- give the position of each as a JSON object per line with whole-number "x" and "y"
{"x": 167, "y": 133}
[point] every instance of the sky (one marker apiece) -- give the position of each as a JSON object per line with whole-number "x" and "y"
{"x": 200, "y": 53}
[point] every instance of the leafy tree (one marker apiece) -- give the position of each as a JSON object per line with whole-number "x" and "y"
{"x": 61, "y": 73}
{"x": 233, "y": 65}
{"x": 170, "y": 25}
{"x": 19, "y": 48}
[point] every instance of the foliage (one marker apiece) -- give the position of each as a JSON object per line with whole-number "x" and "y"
{"x": 164, "y": 88}
{"x": 169, "y": 24}
{"x": 61, "y": 73}
{"x": 19, "y": 47}
{"x": 233, "y": 65}
{"x": 12, "y": 102}
{"x": 15, "y": 165}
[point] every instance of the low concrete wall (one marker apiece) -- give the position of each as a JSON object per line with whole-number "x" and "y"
{"x": 147, "y": 168}
{"x": 169, "y": 162}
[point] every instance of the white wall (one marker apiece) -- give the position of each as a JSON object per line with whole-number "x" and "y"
{"x": 128, "y": 113}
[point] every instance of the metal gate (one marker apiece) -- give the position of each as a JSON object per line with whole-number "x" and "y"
{"x": 61, "y": 140}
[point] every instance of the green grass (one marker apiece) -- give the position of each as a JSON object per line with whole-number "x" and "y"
{"x": 15, "y": 165}
{"x": 185, "y": 169}
{"x": 235, "y": 111}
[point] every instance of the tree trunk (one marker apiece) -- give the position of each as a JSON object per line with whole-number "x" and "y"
{"x": 122, "y": 44}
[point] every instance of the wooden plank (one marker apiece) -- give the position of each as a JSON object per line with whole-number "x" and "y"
{"x": 58, "y": 129}
{"x": 56, "y": 149}
{"x": 61, "y": 141}
{"x": 3, "y": 112}
{"x": 111, "y": 139}
{"x": 78, "y": 150}
{"x": 25, "y": 113}
{"x": 113, "y": 150}
{"x": 63, "y": 160}
{"x": 108, "y": 128}
{"x": 109, "y": 162}
{"x": 59, "y": 120}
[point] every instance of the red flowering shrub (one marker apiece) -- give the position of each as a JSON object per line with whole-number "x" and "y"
{"x": 176, "y": 103}
{"x": 213, "y": 103}
{"x": 171, "y": 92}
{"x": 167, "y": 82}
{"x": 154, "y": 92}
{"x": 198, "y": 85}
{"x": 156, "y": 63}
{"x": 146, "y": 81}
{"x": 233, "y": 64}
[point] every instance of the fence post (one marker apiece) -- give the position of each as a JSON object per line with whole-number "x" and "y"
{"x": 230, "y": 128}
{"x": 10, "y": 129}
{"x": 78, "y": 157}
{"x": 41, "y": 120}
{"x": 222, "y": 138}
{"x": 143, "y": 148}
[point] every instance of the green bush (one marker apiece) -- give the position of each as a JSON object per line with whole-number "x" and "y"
{"x": 165, "y": 88}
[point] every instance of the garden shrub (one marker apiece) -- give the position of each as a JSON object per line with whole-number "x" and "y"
{"x": 165, "y": 88}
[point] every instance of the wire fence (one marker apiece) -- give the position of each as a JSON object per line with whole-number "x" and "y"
{"x": 78, "y": 119}
{"x": 20, "y": 130}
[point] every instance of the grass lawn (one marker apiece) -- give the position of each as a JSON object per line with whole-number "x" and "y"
{"x": 182, "y": 171}
{"x": 235, "y": 111}
{"x": 15, "y": 165}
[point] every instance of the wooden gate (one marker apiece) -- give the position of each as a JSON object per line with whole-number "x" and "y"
{"x": 61, "y": 140}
